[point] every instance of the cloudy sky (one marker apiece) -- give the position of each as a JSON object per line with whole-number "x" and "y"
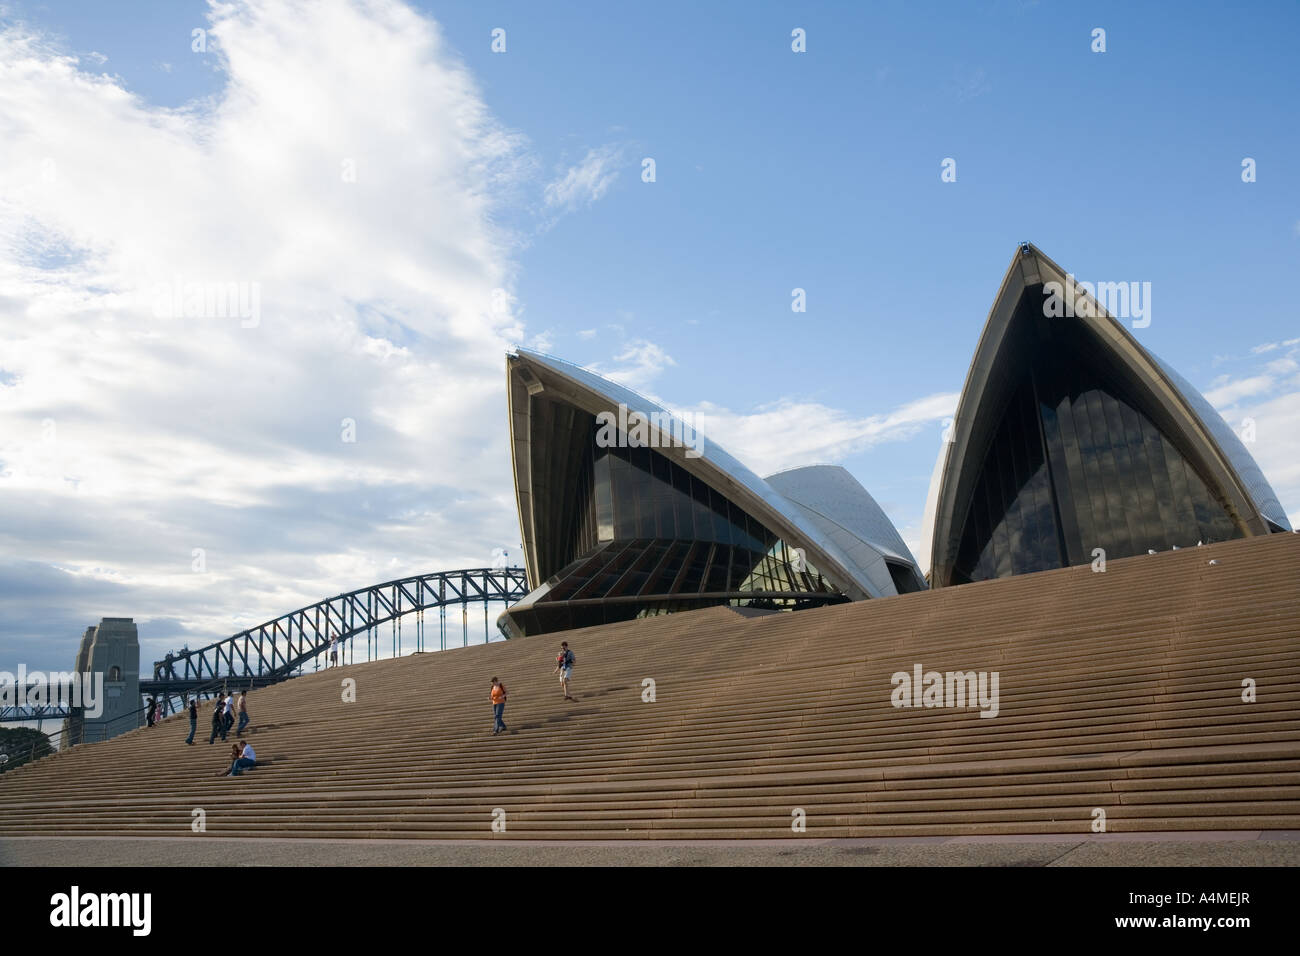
{"x": 394, "y": 204}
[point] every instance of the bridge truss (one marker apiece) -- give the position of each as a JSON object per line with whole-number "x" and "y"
{"x": 283, "y": 647}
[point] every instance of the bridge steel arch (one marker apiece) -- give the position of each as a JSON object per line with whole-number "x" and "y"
{"x": 277, "y": 650}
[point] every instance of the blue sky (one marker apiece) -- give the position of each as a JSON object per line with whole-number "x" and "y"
{"x": 774, "y": 170}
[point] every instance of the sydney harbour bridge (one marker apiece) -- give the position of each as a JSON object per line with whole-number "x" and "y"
{"x": 384, "y": 620}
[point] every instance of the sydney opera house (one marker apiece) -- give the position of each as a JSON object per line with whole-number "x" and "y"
{"x": 820, "y": 683}
{"x": 636, "y": 526}
{"x": 1069, "y": 437}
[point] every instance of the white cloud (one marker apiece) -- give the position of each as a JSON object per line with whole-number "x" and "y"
{"x": 640, "y": 363}
{"x": 790, "y": 433}
{"x": 784, "y": 434}
{"x": 127, "y": 440}
{"x": 585, "y": 183}
{"x": 586, "y": 333}
{"x": 1232, "y": 390}
{"x": 1276, "y": 448}
{"x": 1271, "y": 402}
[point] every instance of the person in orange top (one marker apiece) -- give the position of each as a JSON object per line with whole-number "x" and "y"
{"x": 498, "y": 706}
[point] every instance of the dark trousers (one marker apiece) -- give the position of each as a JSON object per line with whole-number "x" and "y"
{"x": 241, "y": 763}
{"x": 497, "y": 711}
{"x": 194, "y": 725}
{"x": 216, "y": 729}
{"x": 243, "y": 722}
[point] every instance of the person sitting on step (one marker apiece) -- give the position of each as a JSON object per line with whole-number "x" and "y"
{"x": 244, "y": 760}
{"x": 232, "y": 757}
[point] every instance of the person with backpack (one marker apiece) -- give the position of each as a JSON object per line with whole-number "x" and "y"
{"x": 498, "y": 706}
{"x": 564, "y": 662}
{"x": 194, "y": 719}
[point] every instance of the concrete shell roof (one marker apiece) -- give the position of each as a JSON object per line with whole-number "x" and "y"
{"x": 1229, "y": 465}
{"x": 1261, "y": 492}
{"x": 845, "y": 534}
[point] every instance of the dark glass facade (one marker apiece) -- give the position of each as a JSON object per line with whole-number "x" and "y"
{"x": 645, "y": 536}
{"x": 1079, "y": 459}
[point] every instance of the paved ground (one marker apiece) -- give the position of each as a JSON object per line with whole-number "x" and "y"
{"x": 1273, "y": 848}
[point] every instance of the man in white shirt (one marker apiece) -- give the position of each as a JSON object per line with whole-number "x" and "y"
{"x": 245, "y": 759}
{"x": 241, "y": 708}
{"x": 228, "y": 715}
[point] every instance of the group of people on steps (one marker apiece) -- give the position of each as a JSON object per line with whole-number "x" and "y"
{"x": 242, "y": 756}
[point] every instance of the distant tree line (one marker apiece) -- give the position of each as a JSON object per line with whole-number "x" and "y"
{"x": 20, "y": 745}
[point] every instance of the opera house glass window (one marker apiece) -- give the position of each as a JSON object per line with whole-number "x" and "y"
{"x": 1076, "y": 462}
{"x": 652, "y": 538}
{"x": 645, "y": 522}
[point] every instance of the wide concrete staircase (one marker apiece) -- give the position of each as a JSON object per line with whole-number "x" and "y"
{"x": 1120, "y": 693}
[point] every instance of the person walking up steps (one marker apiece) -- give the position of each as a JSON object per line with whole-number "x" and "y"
{"x": 228, "y": 715}
{"x": 194, "y": 719}
{"x": 564, "y": 662}
{"x": 241, "y": 708}
{"x": 218, "y": 721}
{"x": 498, "y": 706}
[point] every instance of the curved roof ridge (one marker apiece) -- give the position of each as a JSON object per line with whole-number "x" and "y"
{"x": 1230, "y": 445}
{"x": 1229, "y": 466}
{"x": 733, "y": 479}
{"x": 878, "y": 525}
{"x": 807, "y": 467}
{"x": 591, "y": 371}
